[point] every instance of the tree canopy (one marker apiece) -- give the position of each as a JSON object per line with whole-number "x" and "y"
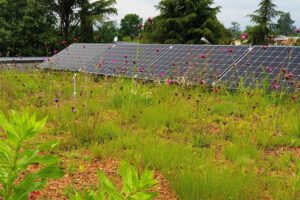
{"x": 263, "y": 18}
{"x": 185, "y": 21}
{"x": 91, "y": 13}
{"x": 26, "y": 27}
{"x": 285, "y": 25}
{"x": 37, "y": 27}
{"x": 235, "y": 30}
{"x": 106, "y": 32}
{"x": 130, "y": 26}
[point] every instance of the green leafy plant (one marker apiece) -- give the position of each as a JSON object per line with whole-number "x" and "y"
{"x": 136, "y": 186}
{"x": 16, "y": 155}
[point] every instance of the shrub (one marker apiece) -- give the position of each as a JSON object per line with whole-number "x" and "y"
{"x": 135, "y": 186}
{"x": 16, "y": 157}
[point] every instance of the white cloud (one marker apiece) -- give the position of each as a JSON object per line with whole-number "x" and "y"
{"x": 144, "y": 8}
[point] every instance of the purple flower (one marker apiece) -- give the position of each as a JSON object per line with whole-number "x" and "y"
{"x": 114, "y": 61}
{"x": 202, "y": 82}
{"x": 275, "y": 85}
{"x": 64, "y": 42}
{"x": 230, "y": 50}
{"x": 161, "y": 74}
{"x": 125, "y": 55}
{"x": 168, "y": 82}
{"x": 203, "y": 56}
{"x": 101, "y": 62}
{"x": 289, "y": 76}
{"x": 56, "y": 99}
{"x": 73, "y": 110}
{"x": 269, "y": 69}
{"x": 141, "y": 69}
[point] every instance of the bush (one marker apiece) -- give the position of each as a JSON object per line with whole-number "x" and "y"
{"x": 16, "y": 157}
{"x": 135, "y": 186}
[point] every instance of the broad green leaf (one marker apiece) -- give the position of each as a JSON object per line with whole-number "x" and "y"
{"x": 147, "y": 180}
{"x": 104, "y": 180}
{"x": 47, "y": 146}
{"x": 29, "y": 183}
{"x": 25, "y": 158}
{"x": 6, "y": 153}
{"x": 126, "y": 173}
{"x": 135, "y": 178}
{"x": 4, "y": 148}
{"x": 108, "y": 187}
{"x": 47, "y": 160}
{"x": 27, "y": 186}
{"x": 52, "y": 172}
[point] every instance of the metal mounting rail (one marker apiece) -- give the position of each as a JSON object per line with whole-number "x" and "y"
{"x": 4, "y": 60}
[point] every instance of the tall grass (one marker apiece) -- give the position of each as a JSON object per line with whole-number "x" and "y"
{"x": 209, "y": 144}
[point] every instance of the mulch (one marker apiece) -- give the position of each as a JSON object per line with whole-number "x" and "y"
{"x": 86, "y": 177}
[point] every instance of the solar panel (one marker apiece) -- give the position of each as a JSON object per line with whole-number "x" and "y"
{"x": 196, "y": 63}
{"x": 270, "y": 66}
{"x": 76, "y": 56}
{"x": 128, "y": 60}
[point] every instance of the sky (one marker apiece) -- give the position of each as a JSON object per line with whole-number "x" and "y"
{"x": 232, "y": 10}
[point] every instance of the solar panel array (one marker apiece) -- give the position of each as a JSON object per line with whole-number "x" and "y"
{"x": 279, "y": 66}
{"x": 196, "y": 63}
{"x": 76, "y": 56}
{"x": 127, "y": 60}
{"x": 276, "y": 66}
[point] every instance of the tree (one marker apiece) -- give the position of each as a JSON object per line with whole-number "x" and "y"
{"x": 235, "y": 30}
{"x": 65, "y": 11}
{"x": 252, "y": 33}
{"x": 130, "y": 26}
{"x": 186, "y": 21}
{"x": 285, "y": 25}
{"x": 26, "y": 28}
{"x": 91, "y": 13}
{"x": 263, "y": 17}
{"x": 106, "y": 32}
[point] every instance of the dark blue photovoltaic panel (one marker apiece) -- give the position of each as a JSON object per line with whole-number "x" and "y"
{"x": 76, "y": 56}
{"x": 129, "y": 60}
{"x": 193, "y": 64}
{"x": 196, "y": 63}
{"x": 276, "y": 66}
